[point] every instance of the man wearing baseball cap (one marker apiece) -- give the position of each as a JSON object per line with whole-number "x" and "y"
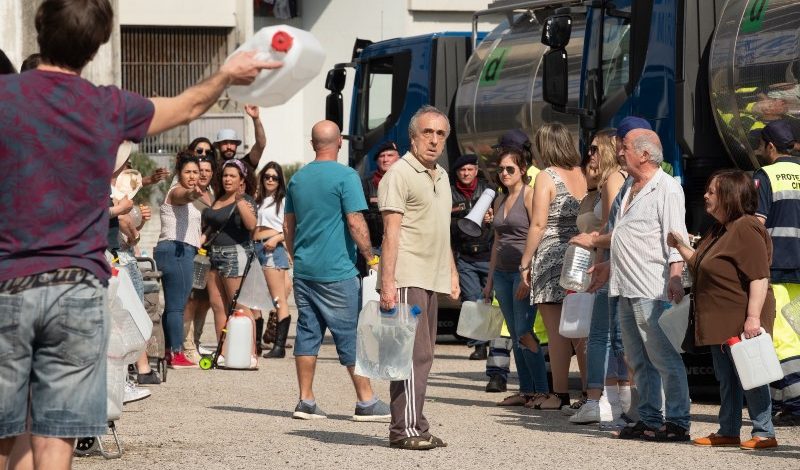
{"x": 228, "y": 141}
{"x": 778, "y": 186}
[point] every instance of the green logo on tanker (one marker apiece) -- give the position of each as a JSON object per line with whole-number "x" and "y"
{"x": 493, "y": 66}
{"x": 754, "y": 16}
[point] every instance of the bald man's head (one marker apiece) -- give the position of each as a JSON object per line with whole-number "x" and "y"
{"x": 325, "y": 134}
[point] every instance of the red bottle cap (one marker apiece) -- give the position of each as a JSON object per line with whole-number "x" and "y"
{"x": 282, "y": 42}
{"x": 114, "y": 271}
{"x": 733, "y": 340}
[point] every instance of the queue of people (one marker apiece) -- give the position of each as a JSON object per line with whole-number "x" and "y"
{"x": 54, "y": 255}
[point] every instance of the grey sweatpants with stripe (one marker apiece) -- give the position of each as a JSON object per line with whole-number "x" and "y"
{"x": 408, "y": 396}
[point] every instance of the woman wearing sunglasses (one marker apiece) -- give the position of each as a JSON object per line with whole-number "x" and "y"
{"x": 272, "y": 254}
{"x": 511, "y": 223}
{"x": 228, "y": 224}
{"x": 605, "y": 361}
{"x": 204, "y": 150}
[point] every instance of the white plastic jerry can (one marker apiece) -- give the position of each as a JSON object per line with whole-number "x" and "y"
{"x": 302, "y": 56}
{"x": 755, "y": 360}
{"x": 238, "y": 341}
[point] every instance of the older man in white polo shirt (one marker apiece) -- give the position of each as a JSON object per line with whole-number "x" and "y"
{"x": 646, "y": 276}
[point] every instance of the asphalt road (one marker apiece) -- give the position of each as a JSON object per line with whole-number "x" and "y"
{"x": 242, "y": 419}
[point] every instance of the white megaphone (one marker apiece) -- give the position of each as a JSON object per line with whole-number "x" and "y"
{"x": 471, "y": 224}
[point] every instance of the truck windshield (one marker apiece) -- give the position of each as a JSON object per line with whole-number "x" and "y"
{"x": 616, "y": 54}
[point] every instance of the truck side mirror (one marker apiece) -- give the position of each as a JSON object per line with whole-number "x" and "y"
{"x": 333, "y": 108}
{"x": 554, "y": 77}
{"x": 556, "y": 31}
{"x": 335, "y": 80}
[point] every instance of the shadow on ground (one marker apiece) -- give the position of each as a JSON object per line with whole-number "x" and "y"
{"x": 346, "y": 438}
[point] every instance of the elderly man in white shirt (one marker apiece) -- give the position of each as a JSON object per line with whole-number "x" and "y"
{"x": 645, "y": 275}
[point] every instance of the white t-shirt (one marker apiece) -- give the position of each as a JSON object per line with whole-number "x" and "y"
{"x": 269, "y": 216}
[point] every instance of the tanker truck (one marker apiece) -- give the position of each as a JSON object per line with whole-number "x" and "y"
{"x": 706, "y": 74}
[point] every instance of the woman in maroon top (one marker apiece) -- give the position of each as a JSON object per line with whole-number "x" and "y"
{"x": 732, "y": 295}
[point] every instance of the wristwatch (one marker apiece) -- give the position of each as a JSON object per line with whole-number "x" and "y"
{"x": 375, "y": 260}
{"x": 522, "y": 268}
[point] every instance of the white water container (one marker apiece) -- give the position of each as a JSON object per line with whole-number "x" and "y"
{"x": 576, "y": 315}
{"x": 302, "y": 56}
{"x": 573, "y": 272}
{"x": 674, "y": 322}
{"x": 369, "y": 289}
{"x": 238, "y": 347}
{"x": 755, "y": 360}
{"x": 479, "y": 320}
{"x": 385, "y": 341}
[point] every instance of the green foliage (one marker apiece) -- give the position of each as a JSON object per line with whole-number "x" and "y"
{"x": 290, "y": 169}
{"x": 142, "y": 163}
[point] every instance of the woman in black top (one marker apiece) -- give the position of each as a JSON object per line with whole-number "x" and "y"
{"x": 228, "y": 223}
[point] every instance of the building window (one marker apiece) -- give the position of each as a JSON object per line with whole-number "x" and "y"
{"x": 164, "y": 61}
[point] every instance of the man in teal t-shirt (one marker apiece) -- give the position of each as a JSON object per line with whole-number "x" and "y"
{"x": 323, "y": 218}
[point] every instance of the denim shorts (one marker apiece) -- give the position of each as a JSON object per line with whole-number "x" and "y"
{"x": 230, "y": 260}
{"x": 53, "y": 342}
{"x": 275, "y": 259}
{"x": 327, "y": 305}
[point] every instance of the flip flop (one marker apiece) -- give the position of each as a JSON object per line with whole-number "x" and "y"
{"x": 413, "y": 443}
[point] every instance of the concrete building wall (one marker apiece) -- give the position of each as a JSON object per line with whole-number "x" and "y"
{"x": 335, "y": 23}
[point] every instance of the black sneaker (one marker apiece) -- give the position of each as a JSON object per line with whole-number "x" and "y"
{"x": 303, "y": 411}
{"x": 497, "y": 384}
{"x": 480, "y": 353}
{"x": 150, "y": 378}
{"x": 786, "y": 419}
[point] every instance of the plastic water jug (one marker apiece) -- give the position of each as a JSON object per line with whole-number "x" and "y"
{"x": 479, "y": 320}
{"x": 238, "y": 346}
{"x": 576, "y": 315}
{"x": 302, "y": 57}
{"x": 201, "y": 266}
{"x": 573, "y": 272}
{"x": 791, "y": 313}
{"x": 254, "y": 292}
{"x": 674, "y": 322}
{"x": 385, "y": 341}
{"x": 755, "y": 360}
{"x": 369, "y": 289}
{"x": 130, "y": 325}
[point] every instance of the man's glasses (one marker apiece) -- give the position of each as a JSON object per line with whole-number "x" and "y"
{"x": 508, "y": 169}
{"x": 271, "y": 178}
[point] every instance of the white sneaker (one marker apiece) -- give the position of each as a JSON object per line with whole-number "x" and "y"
{"x": 588, "y": 413}
{"x": 134, "y": 393}
{"x": 606, "y": 409}
{"x": 204, "y": 350}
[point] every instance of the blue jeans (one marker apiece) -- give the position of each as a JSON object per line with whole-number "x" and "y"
{"x": 604, "y": 350}
{"x": 472, "y": 276}
{"x": 759, "y": 404}
{"x": 654, "y": 361}
{"x": 128, "y": 260}
{"x": 53, "y": 342}
{"x": 520, "y": 315}
{"x": 327, "y": 305}
{"x": 175, "y": 261}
